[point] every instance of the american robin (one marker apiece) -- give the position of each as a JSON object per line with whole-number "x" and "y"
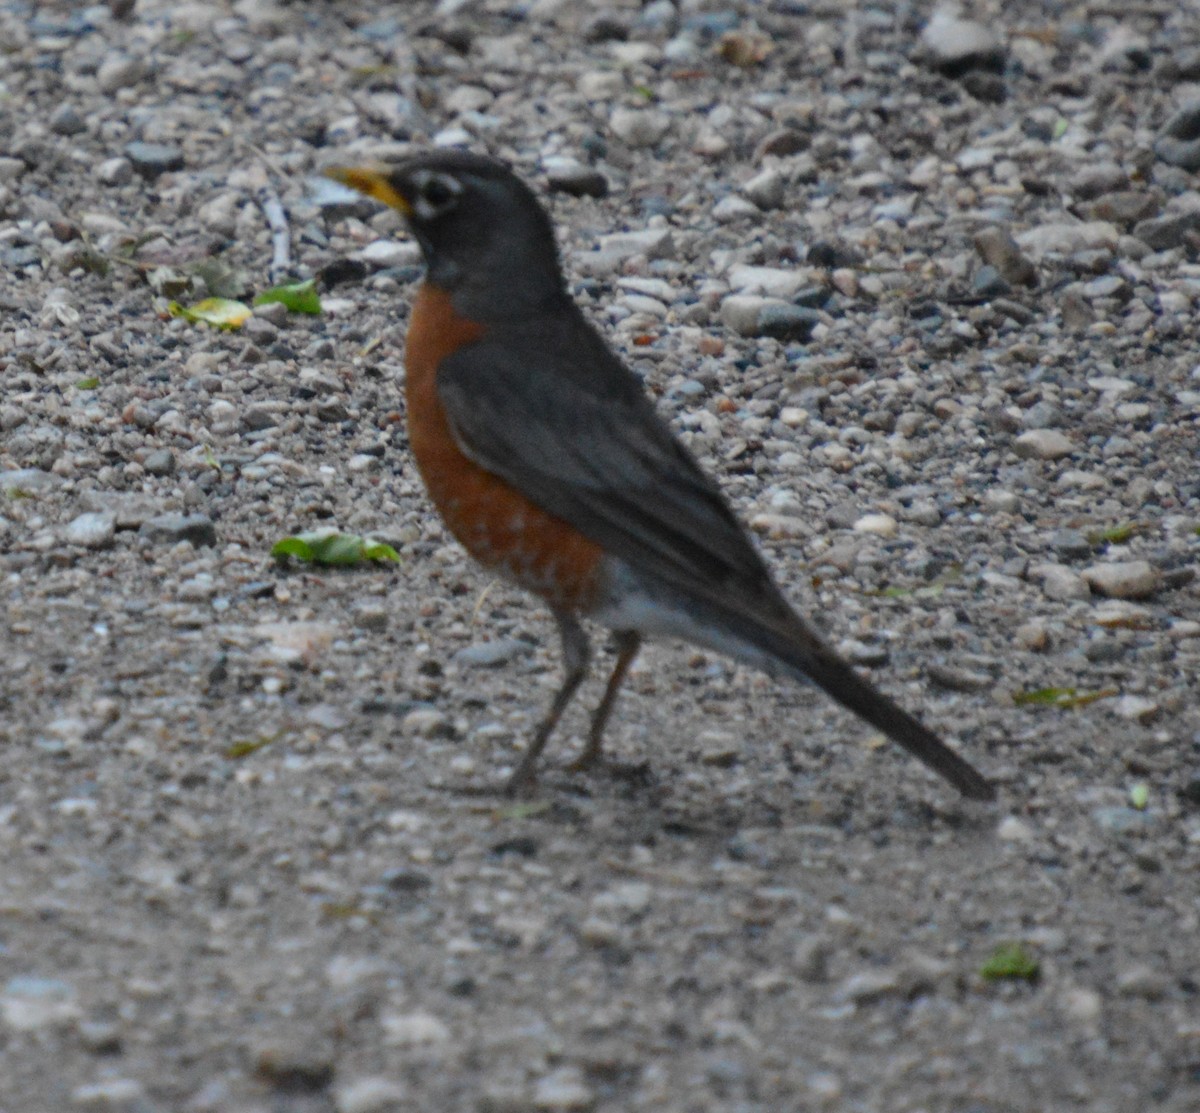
{"x": 549, "y": 464}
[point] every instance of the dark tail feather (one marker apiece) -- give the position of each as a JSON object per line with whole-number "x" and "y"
{"x": 805, "y": 654}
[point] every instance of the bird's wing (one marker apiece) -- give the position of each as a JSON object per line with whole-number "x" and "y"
{"x": 563, "y": 421}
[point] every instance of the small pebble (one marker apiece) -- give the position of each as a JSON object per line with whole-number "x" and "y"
{"x": 1043, "y": 444}
{"x": 370, "y": 1095}
{"x": 883, "y": 525}
{"x": 563, "y": 1090}
{"x": 152, "y": 159}
{"x": 92, "y": 530}
{"x": 1133, "y": 579}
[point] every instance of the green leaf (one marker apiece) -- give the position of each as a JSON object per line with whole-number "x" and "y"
{"x": 90, "y": 383}
{"x": 299, "y": 297}
{"x": 222, "y": 313}
{"x": 645, "y": 92}
{"x": 1010, "y": 960}
{"x": 331, "y": 547}
{"x": 1060, "y": 127}
{"x": 523, "y": 811}
{"x": 1115, "y": 535}
{"x": 247, "y": 746}
{"x": 1139, "y": 796}
{"x": 1061, "y": 697}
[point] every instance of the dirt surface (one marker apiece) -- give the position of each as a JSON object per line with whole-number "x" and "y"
{"x": 253, "y": 855}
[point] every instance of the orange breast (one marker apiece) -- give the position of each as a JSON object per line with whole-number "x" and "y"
{"x": 495, "y": 522}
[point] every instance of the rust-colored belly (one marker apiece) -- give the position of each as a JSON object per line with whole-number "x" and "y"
{"x": 496, "y": 524}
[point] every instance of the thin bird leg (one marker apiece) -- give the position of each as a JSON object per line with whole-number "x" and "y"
{"x": 576, "y": 652}
{"x": 628, "y": 644}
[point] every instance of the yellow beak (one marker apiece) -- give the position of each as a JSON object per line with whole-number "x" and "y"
{"x": 374, "y": 181}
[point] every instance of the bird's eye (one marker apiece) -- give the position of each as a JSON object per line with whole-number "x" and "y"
{"x": 437, "y": 194}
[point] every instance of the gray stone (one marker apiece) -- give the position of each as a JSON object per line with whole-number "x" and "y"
{"x": 740, "y": 312}
{"x": 766, "y": 190}
{"x": 563, "y": 1089}
{"x": 1068, "y": 238}
{"x": 1128, "y": 579}
{"x": 953, "y": 46}
{"x": 118, "y": 73}
{"x": 1042, "y": 444}
{"x": 639, "y": 127}
{"x": 28, "y": 481}
{"x": 1125, "y": 207}
{"x": 1179, "y": 143}
{"x": 160, "y": 462}
{"x": 781, "y": 142}
{"x": 169, "y": 529}
{"x": 654, "y": 243}
{"x": 577, "y": 180}
{"x": 998, "y": 249}
{"x": 1060, "y": 583}
{"x": 494, "y": 653}
{"x": 92, "y": 530}
{"x": 1165, "y": 232}
{"x": 152, "y": 159}
{"x": 114, "y": 171}
{"x": 66, "y": 120}
{"x": 957, "y": 679}
{"x": 28, "y": 1004}
{"x": 733, "y": 208}
{"x": 788, "y": 323}
{"x": 989, "y": 283}
{"x": 370, "y": 1095}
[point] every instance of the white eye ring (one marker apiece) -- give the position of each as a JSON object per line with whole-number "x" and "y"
{"x": 435, "y": 194}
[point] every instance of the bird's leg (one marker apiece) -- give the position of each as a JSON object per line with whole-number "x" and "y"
{"x": 576, "y": 652}
{"x": 628, "y": 644}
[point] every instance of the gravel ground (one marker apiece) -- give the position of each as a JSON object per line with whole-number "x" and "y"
{"x": 920, "y": 292}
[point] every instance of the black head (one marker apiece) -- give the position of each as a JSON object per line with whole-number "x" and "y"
{"x": 480, "y": 227}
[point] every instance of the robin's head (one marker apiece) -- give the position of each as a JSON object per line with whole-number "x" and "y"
{"x": 479, "y": 226}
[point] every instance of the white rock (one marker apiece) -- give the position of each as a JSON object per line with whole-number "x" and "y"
{"x": 425, "y": 722}
{"x": 781, "y": 526}
{"x": 651, "y": 287}
{"x": 468, "y": 98}
{"x": 732, "y": 208}
{"x": 1131, "y": 579}
{"x": 28, "y": 1003}
{"x": 1000, "y": 501}
{"x": 370, "y": 1095}
{"x": 774, "y": 282}
{"x": 1080, "y": 1005}
{"x": 413, "y": 1029}
{"x": 950, "y": 39}
{"x": 1060, "y": 583}
{"x": 563, "y": 1089}
{"x": 639, "y": 127}
{"x": 1012, "y": 829}
{"x": 119, "y": 72}
{"x": 766, "y": 190}
{"x": 884, "y": 525}
{"x": 114, "y": 171}
{"x": 654, "y": 243}
{"x": 93, "y": 530}
{"x": 391, "y": 253}
{"x": 1068, "y": 238}
{"x": 111, "y": 1095}
{"x": 740, "y": 312}
{"x": 600, "y": 85}
{"x": 1042, "y": 444}
{"x": 1136, "y": 709}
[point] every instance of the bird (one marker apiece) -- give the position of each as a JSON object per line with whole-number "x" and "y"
{"x": 548, "y": 462}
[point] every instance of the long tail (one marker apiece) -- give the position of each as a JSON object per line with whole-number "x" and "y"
{"x": 807, "y": 655}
